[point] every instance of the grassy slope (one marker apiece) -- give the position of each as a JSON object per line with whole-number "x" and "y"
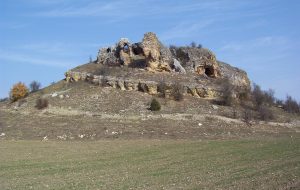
{"x": 246, "y": 164}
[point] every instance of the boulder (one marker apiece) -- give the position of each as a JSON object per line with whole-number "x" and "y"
{"x": 152, "y": 88}
{"x": 151, "y": 49}
{"x": 108, "y": 56}
{"x": 177, "y": 67}
{"x": 200, "y": 61}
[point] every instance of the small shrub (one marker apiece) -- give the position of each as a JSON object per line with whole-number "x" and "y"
{"x": 261, "y": 97}
{"x": 34, "y": 86}
{"x": 91, "y": 59}
{"x": 279, "y": 103}
{"x": 228, "y": 88}
{"x": 41, "y": 103}
{"x": 234, "y": 114}
{"x": 269, "y": 97}
{"x": 265, "y": 113}
{"x": 247, "y": 116}
{"x": 104, "y": 71}
{"x": 161, "y": 88}
{"x": 18, "y": 91}
{"x": 257, "y": 95}
{"x": 182, "y": 56}
{"x": 155, "y": 105}
{"x": 193, "y": 44}
{"x": 244, "y": 95}
{"x": 103, "y": 82}
{"x": 291, "y": 105}
{"x": 3, "y": 99}
{"x": 177, "y": 91}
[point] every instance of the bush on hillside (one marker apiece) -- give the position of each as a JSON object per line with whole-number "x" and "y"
{"x": 261, "y": 97}
{"x": 18, "y": 92}
{"x": 291, "y": 105}
{"x": 161, "y": 88}
{"x": 228, "y": 88}
{"x": 247, "y": 116}
{"x": 265, "y": 113}
{"x": 41, "y": 103}
{"x": 3, "y": 99}
{"x": 177, "y": 91}
{"x": 34, "y": 86}
{"x": 155, "y": 105}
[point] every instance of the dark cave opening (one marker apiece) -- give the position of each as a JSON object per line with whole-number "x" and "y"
{"x": 209, "y": 71}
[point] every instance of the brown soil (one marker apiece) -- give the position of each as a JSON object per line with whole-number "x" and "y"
{"x": 92, "y": 112}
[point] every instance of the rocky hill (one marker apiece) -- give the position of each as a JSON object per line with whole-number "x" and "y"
{"x": 195, "y": 69}
{"x": 110, "y": 97}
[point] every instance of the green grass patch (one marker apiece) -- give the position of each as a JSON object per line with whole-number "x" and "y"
{"x": 150, "y": 164}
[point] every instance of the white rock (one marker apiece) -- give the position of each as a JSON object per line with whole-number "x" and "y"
{"x": 45, "y": 138}
{"x": 215, "y": 107}
{"x": 200, "y": 124}
{"x": 114, "y": 133}
{"x": 81, "y": 136}
{"x": 63, "y": 137}
{"x": 54, "y": 95}
{"x": 2, "y": 134}
{"x": 61, "y": 96}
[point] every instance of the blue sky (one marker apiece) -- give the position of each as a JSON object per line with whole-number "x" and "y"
{"x": 41, "y": 39}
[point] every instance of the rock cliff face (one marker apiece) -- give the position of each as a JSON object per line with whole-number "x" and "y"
{"x": 196, "y": 69}
{"x": 198, "y": 60}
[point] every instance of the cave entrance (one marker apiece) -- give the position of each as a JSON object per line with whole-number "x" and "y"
{"x": 209, "y": 71}
{"x": 126, "y": 48}
{"x": 108, "y": 50}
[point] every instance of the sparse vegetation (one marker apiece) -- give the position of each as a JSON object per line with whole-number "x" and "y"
{"x": 261, "y": 97}
{"x": 180, "y": 54}
{"x": 195, "y": 45}
{"x": 262, "y": 101}
{"x": 177, "y": 91}
{"x": 18, "y": 92}
{"x": 265, "y": 113}
{"x": 247, "y": 116}
{"x": 228, "y": 88}
{"x": 91, "y": 59}
{"x": 161, "y": 88}
{"x": 291, "y": 105}
{"x": 34, "y": 86}
{"x": 3, "y": 99}
{"x": 155, "y": 105}
{"x": 41, "y": 103}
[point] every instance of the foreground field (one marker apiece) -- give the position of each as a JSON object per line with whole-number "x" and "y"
{"x": 151, "y": 164}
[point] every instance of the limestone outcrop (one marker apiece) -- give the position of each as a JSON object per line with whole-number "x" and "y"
{"x": 152, "y": 55}
{"x": 196, "y": 68}
{"x": 147, "y": 86}
{"x": 198, "y": 60}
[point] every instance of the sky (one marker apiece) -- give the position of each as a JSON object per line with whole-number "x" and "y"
{"x": 42, "y": 39}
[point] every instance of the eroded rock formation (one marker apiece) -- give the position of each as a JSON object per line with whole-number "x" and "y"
{"x": 152, "y": 55}
{"x": 197, "y": 68}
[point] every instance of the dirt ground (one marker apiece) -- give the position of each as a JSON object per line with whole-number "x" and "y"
{"x": 82, "y": 111}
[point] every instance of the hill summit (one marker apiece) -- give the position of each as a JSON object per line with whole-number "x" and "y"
{"x": 146, "y": 65}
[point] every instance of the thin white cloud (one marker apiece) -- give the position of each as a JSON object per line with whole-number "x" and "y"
{"x": 107, "y": 9}
{"x": 262, "y": 42}
{"x": 185, "y": 29}
{"x": 27, "y": 59}
{"x": 119, "y": 10}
